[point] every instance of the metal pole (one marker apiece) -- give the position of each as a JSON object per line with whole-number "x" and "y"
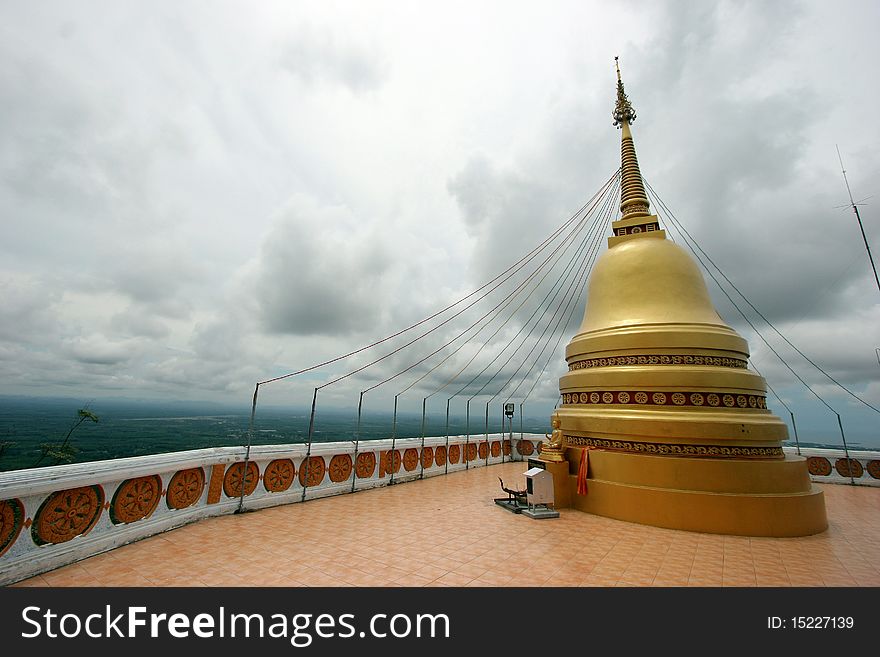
{"x": 422, "y": 450}
{"x": 247, "y": 453}
{"x": 467, "y": 441}
{"x": 393, "y": 441}
{"x": 308, "y": 464}
{"x": 845, "y": 450}
{"x": 487, "y": 433}
{"x": 501, "y": 433}
{"x": 510, "y": 425}
{"x": 520, "y": 429}
{"x": 446, "y": 468}
{"x": 357, "y": 438}
{"x": 858, "y": 218}
{"x": 794, "y": 426}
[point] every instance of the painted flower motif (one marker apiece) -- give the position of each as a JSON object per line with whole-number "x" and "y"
{"x": 696, "y": 399}
{"x": 339, "y": 468}
{"x": 641, "y": 397}
{"x": 623, "y": 397}
{"x": 410, "y": 459}
{"x": 365, "y": 465}
{"x": 135, "y": 499}
{"x": 279, "y": 475}
{"x": 659, "y": 398}
{"x": 185, "y": 488}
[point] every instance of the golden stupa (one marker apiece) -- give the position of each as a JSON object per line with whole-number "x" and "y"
{"x": 660, "y": 393}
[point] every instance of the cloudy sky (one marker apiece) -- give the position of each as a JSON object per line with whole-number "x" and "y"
{"x": 197, "y": 196}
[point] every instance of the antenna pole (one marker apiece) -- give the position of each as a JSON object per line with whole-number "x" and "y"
{"x": 858, "y": 218}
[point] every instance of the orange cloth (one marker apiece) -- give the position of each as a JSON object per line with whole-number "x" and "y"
{"x": 582, "y": 472}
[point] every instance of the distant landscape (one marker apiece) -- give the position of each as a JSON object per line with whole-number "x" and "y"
{"x": 135, "y": 428}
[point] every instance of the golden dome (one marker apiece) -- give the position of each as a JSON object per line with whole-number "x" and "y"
{"x": 647, "y": 281}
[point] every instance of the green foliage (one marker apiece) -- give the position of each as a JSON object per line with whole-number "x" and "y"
{"x": 64, "y": 452}
{"x": 60, "y": 452}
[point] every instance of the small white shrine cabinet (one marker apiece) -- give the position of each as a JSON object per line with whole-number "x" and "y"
{"x": 539, "y": 486}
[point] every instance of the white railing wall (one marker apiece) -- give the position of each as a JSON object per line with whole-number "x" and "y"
{"x": 57, "y": 515}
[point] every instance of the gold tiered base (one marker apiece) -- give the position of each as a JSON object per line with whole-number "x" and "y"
{"x": 719, "y": 496}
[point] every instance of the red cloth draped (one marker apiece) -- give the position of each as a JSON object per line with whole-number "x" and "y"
{"x": 582, "y": 472}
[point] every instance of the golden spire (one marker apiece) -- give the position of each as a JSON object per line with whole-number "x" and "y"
{"x": 623, "y": 110}
{"x": 633, "y": 200}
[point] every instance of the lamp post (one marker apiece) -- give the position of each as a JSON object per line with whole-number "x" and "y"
{"x": 508, "y": 411}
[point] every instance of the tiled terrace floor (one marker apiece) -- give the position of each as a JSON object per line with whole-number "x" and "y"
{"x": 446, "y": 531}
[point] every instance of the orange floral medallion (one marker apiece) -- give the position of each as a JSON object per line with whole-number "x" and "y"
{"x": 410, "y": 459}
{"x": 496, "y": 448}
{"x": 454, "y": 453}
{"x": 135, "y": 499}
{"x": 279, "y": 475}
{"x": 340, "y": 468}
{"x": 311, "y": 472}
{"x": 67, "y": 514}
{"x": 427, "y": 457}
{"x": 525, "y": 447}
{"x": 852, "y": 469}
{"x": 11, "y": 517}
{"x": 819, "y": 466}
{"x": 235, "y": 473}
{"x": 440, "y": 455}
{"x": 471, "y": 451}
{"x": 185, "y": 488}
{"x": 365, "y": 465}
{"x": 389, "y": 463}
{"x": 484, "y": 450}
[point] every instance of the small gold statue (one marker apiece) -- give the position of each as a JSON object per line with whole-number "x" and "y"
{"x": 555, "y": 449}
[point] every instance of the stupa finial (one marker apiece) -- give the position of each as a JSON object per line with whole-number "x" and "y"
{"x": 633, "y": 200}
{"x": 623, "y": 110}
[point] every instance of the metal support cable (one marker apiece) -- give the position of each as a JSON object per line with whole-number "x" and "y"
{"x": 584, "y": 242}
{"x": 428, "y": 332}
{"x": 473, "y": 357}
{"x": 527, "y": 257}
{"x": 571, "y": 295}
{"x": 563, "y": 332}
{"x": 595, "y": 223}
{"x": 688, "y": 239}
{"x": 556, "y": 255}
{"x": 247, "y": 454}
{"x": 797, "y": 442}
{"x": 578, "y": 276}
{"x": 758, "y": 312}
{"x": 523, "y": 327}
{"x": 495, "y": 313}
{"x": 578, "y": 291}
